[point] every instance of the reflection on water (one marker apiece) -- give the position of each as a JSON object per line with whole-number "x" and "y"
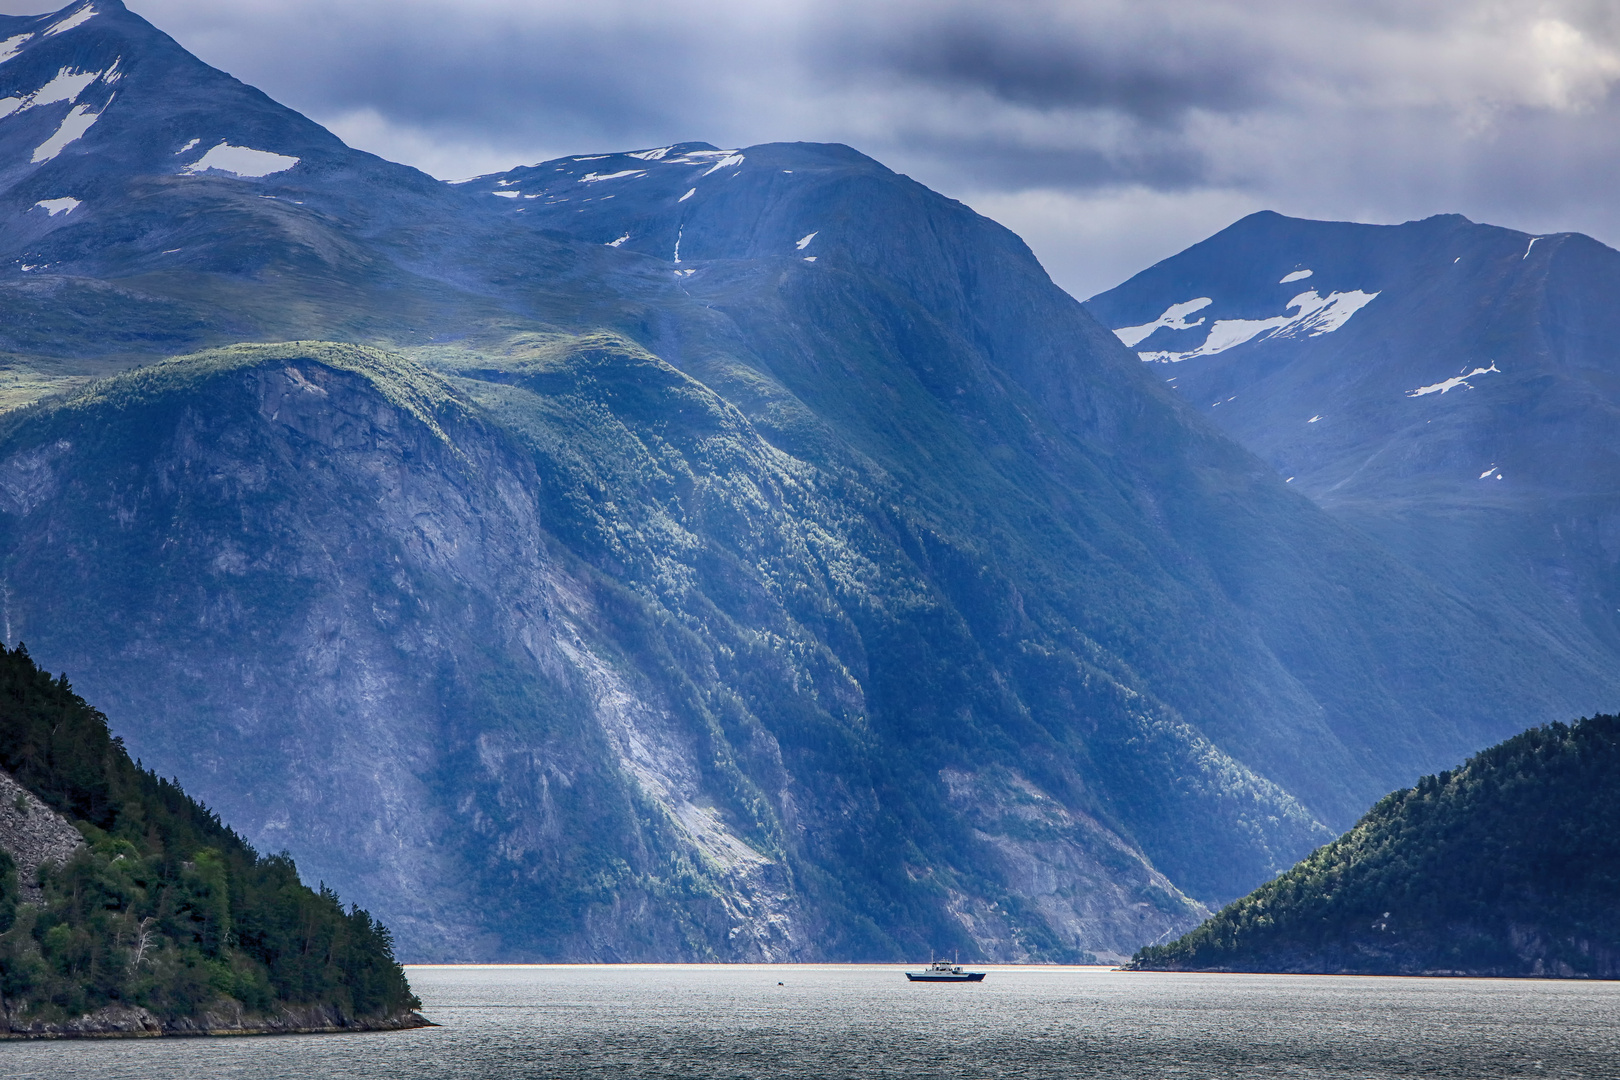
{"x": 844, "y": 1021}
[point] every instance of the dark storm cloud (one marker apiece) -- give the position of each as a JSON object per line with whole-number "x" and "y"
{"x": 1032, "y": 55}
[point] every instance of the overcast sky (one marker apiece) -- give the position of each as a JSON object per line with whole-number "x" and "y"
{"x": 1108, "y": 134}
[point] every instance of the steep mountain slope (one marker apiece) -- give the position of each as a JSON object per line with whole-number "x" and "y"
{"x": 1505, "y": 866}
{"x": 265, "y": 543}
{"x": 832, "y": 587}
{"x": 967, "y": 315}
{"x": 1455, "y": 394}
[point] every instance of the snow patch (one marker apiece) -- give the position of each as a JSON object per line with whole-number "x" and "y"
{"x": 1455, "y": 381}
{"x": 78, "y": 18}
{"x": 802, "y": 244}
{"x": 1297, "y": 275}
{"x": 591, "y": 178}
{"x": 688, "y": 195}
{"x": 241, "y": 160}
{"x": 76, "y": 123}
{"x": 1314, "y": 419}
{"x": 59, "y": 206}
{"x": 1175, "y": 317}
{"x": 652, "y": 155}
{"x": 598, "y": 157}
{"x": 620, "y": 240}
{"x": 809, "y": 258}
{"x": 508, "y": 194}
{"x": 186, "y": 147}
{"x": 1532, "y": 244}
{"x": 67, "y": 85}
{"x": 12, "y": 46}
{"x": 1490, "y": 472}
{"x": 1313, "y": 316}
{"x": 724, "y": 163}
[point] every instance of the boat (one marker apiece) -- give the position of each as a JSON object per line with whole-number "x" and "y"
{"x": 945, "y": 971}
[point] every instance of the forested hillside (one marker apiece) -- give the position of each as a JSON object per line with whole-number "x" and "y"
{"x": 164, "y": 908}
{"x": 1507, "y": 866}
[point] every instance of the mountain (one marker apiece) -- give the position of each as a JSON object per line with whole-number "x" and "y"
{"x": 681, "y": 554}
{"x": 150, "y": 916}
{"x": 1449, "y": 388}
{"x": 191, "y": 210}
{"x": 1506, "y": 866}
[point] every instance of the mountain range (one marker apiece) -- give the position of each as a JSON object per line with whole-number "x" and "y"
{"x": 1446, "y": 387}
{"x": 690, "y": 553}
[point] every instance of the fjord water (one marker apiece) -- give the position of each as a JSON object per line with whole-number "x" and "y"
{"x": 635, "y": 1021}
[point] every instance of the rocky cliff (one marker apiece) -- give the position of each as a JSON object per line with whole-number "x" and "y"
{"x": 33, "y": 835}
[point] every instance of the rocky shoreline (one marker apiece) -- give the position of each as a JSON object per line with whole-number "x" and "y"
{"x": 127, "y": 1022}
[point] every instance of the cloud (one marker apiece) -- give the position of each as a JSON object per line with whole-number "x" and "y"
{"x": 1113, "y": 126}
{"x": 1067, "y": 56}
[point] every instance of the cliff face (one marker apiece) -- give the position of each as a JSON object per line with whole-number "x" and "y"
{"x": 553, "y": 653}
{"x": 449, "y": 712}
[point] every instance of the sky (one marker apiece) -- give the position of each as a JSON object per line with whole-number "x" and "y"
{"x": 1108, "y": 133}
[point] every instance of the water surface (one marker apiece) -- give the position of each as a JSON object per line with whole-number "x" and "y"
{"x": 855, "y": 1021}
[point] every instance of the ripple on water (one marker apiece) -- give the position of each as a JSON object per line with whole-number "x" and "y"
{"x": 724, "y": 1022}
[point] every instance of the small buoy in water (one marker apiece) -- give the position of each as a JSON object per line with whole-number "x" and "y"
{"x": 778, "y": 984}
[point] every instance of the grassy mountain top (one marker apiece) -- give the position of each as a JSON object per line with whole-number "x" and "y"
{"x": 1506, "y": 866}
{"x": 404, "y": 384}
{"x": 164, "y": 908}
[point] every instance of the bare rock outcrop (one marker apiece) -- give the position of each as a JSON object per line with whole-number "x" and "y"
{"x": 32, "y": 834}
{"x": 127, "y": 1021}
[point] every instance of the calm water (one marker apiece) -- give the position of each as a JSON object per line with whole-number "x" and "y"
{"x": 837, "y": 1021}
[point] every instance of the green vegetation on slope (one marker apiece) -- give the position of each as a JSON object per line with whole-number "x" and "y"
{"x": 165, "y": 907}
{"x": 872, "y": 664}
{"x": 1508, "y": 866}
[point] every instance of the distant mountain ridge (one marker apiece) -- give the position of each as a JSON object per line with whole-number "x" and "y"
{"x": 1463, "y": 413}
{"x": 841, "y": 590}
